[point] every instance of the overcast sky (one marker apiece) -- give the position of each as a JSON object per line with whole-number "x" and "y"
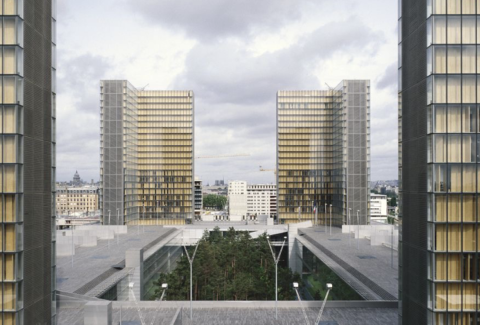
{"x": 235, "y": 55}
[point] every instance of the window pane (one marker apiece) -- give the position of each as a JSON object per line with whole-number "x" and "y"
{"x": 454, "y": 148}
{"x": 468, "y": 89}
{"x": 9, "y": 7}
{"x": 468, "y": 7}
{"x": 469, "y": 177}
{"x": 468, "y": 30}
{"x": 9, "y": 120}
{"x": 468, "y": 59}
{"x": 453, "y": 7}
{"x": 440, "y": 237}
{"x": 9, "y": 56}
{"x": 439, "y": 30}
{"x": 469, "y": 118}
{"x": 440, "y": 119}
{"x": 454, "y": 183}
{"x": 469, "y": 208}
{"x": 440, "y": 207}
{"x": 440, "y": 148}
{"x": 9, "y": 149}
{"x": 440, "y": 178}
{"x": 454, "y": 119}
{"x": 440, "y": 266}
{"x": 440, "y": 59}
{"x": 454, "y": 59}
{"x": 9, "y": 95}
{"x": 454, "y": 89}
{"x": 454, "y": 30}
{"x": 10, "y": 208}
{"x": 9, "y": 179}
{"x": 440, "y": 7}
{"x": 440, "y": 89}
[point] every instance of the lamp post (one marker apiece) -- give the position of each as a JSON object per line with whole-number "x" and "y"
{"x": 295, "y": 286}
{"x": 276, "y": 259}
{"x": 108, "y": 236}
{"x": 164, "y": 287}
{"x": 330, "y": 219}
{"x": 158, "y": 203}
{"x": 325, "y": 218}
{"x": 118, "y": 223}
{"x": 190, "y": 260}
{"x": 319, "y": 318}
{"x": 358, "y": 227}
{"x": 349, "y": 233}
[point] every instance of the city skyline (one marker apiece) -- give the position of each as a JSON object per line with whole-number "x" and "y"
{"x": 194, "y": 58}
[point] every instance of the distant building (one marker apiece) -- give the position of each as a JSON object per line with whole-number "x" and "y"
{"x": 216, "y": 190}
{"x": 237, "y": 198}
{"x": 198, "y": 197}
{"x": 323, "y": 152}
{"x": 219, "y": 183}
{"x": 262, "y": 200}
{"x": 77, "y": 199}
{"x": 378, "y": 207}
{"x": 146, "y": 162}
{"x": 77, "y": 181}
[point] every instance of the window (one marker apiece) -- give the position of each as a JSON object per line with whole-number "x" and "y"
{"x": 468, "y": 59}
{"x": 439, "y": 30}
{"x": 468, "y": 30}
{"x": 453, "y": 29}
{"x": 454, "y": 59}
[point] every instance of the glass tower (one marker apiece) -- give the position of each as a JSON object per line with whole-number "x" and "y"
{"x": 439, "y": 90}
{"x": 323, "y": 153}
{"x": 27, "y": 162}
{"x": 146, "y": 155}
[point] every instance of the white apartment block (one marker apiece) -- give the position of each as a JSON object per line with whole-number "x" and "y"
{"x": 378, "y": 205}
{"x": 237, "y": 198}
{"x": 262, "y": 200}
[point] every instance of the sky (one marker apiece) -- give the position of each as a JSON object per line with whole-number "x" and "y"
{"x": 235, "y": 55}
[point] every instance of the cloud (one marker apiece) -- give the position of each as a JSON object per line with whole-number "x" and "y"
{"x": 213, "y": 19}
{"x": 78, "y": 112}
{"x": 235, "y": 92}
{"x": 390, "y": 78}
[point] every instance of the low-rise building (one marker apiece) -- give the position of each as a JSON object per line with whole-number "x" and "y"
{"x": 262, "y": 200}
{"x": 378, "y": 207}
{"x": 237, "y": 198}
{"x": 198, "y": 198}
{"x": 76, "y": 199}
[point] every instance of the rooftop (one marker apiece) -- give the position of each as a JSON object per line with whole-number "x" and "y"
{"x": 370, "y": 270}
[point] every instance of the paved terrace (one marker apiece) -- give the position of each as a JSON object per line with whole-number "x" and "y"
{"x": 367, "y": 269}
{"x": 92, "y": 270}
{"x": 240, "y": 313}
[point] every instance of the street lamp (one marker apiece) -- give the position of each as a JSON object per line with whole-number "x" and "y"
{"x": 330, "y": 219}
{"x": 319, "y": 318}
{"x": 276, "y": 259}
{"x": 164, "y": 287}
{"x": 118, "y": 223}
{"x": 190, "y": 260}
{"x": 349, "y": 233}
{"x": 325, "y": 218}
{"x": 295, "y": 286}
{"x": 108, "y": 235}
{"x": 358, "y": 227}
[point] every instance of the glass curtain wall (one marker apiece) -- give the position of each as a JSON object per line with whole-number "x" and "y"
{"x": 307, "y": 156}
{"x": 165, "y": 156}
{"x": 453, "y": 143}
{"x": 11, "y": 161}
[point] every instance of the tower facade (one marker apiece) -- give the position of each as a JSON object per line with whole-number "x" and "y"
{"x": 27, "y": 163}
{"x": 146, "y": 155}
{"x": 439, "y": 92}
{"x": 323, "y": 154}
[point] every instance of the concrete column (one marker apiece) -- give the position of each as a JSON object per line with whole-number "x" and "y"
{"x": 294, "y": 249}
{"x": 134, "y": 259}
{"x": 98, "y": 313}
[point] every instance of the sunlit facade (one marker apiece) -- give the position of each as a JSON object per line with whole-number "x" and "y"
{"x": 27, "y": 162}
{"x": 439, "y": 91}
{"x": 146, "y": 154}
{"x": 323, "y": 153}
